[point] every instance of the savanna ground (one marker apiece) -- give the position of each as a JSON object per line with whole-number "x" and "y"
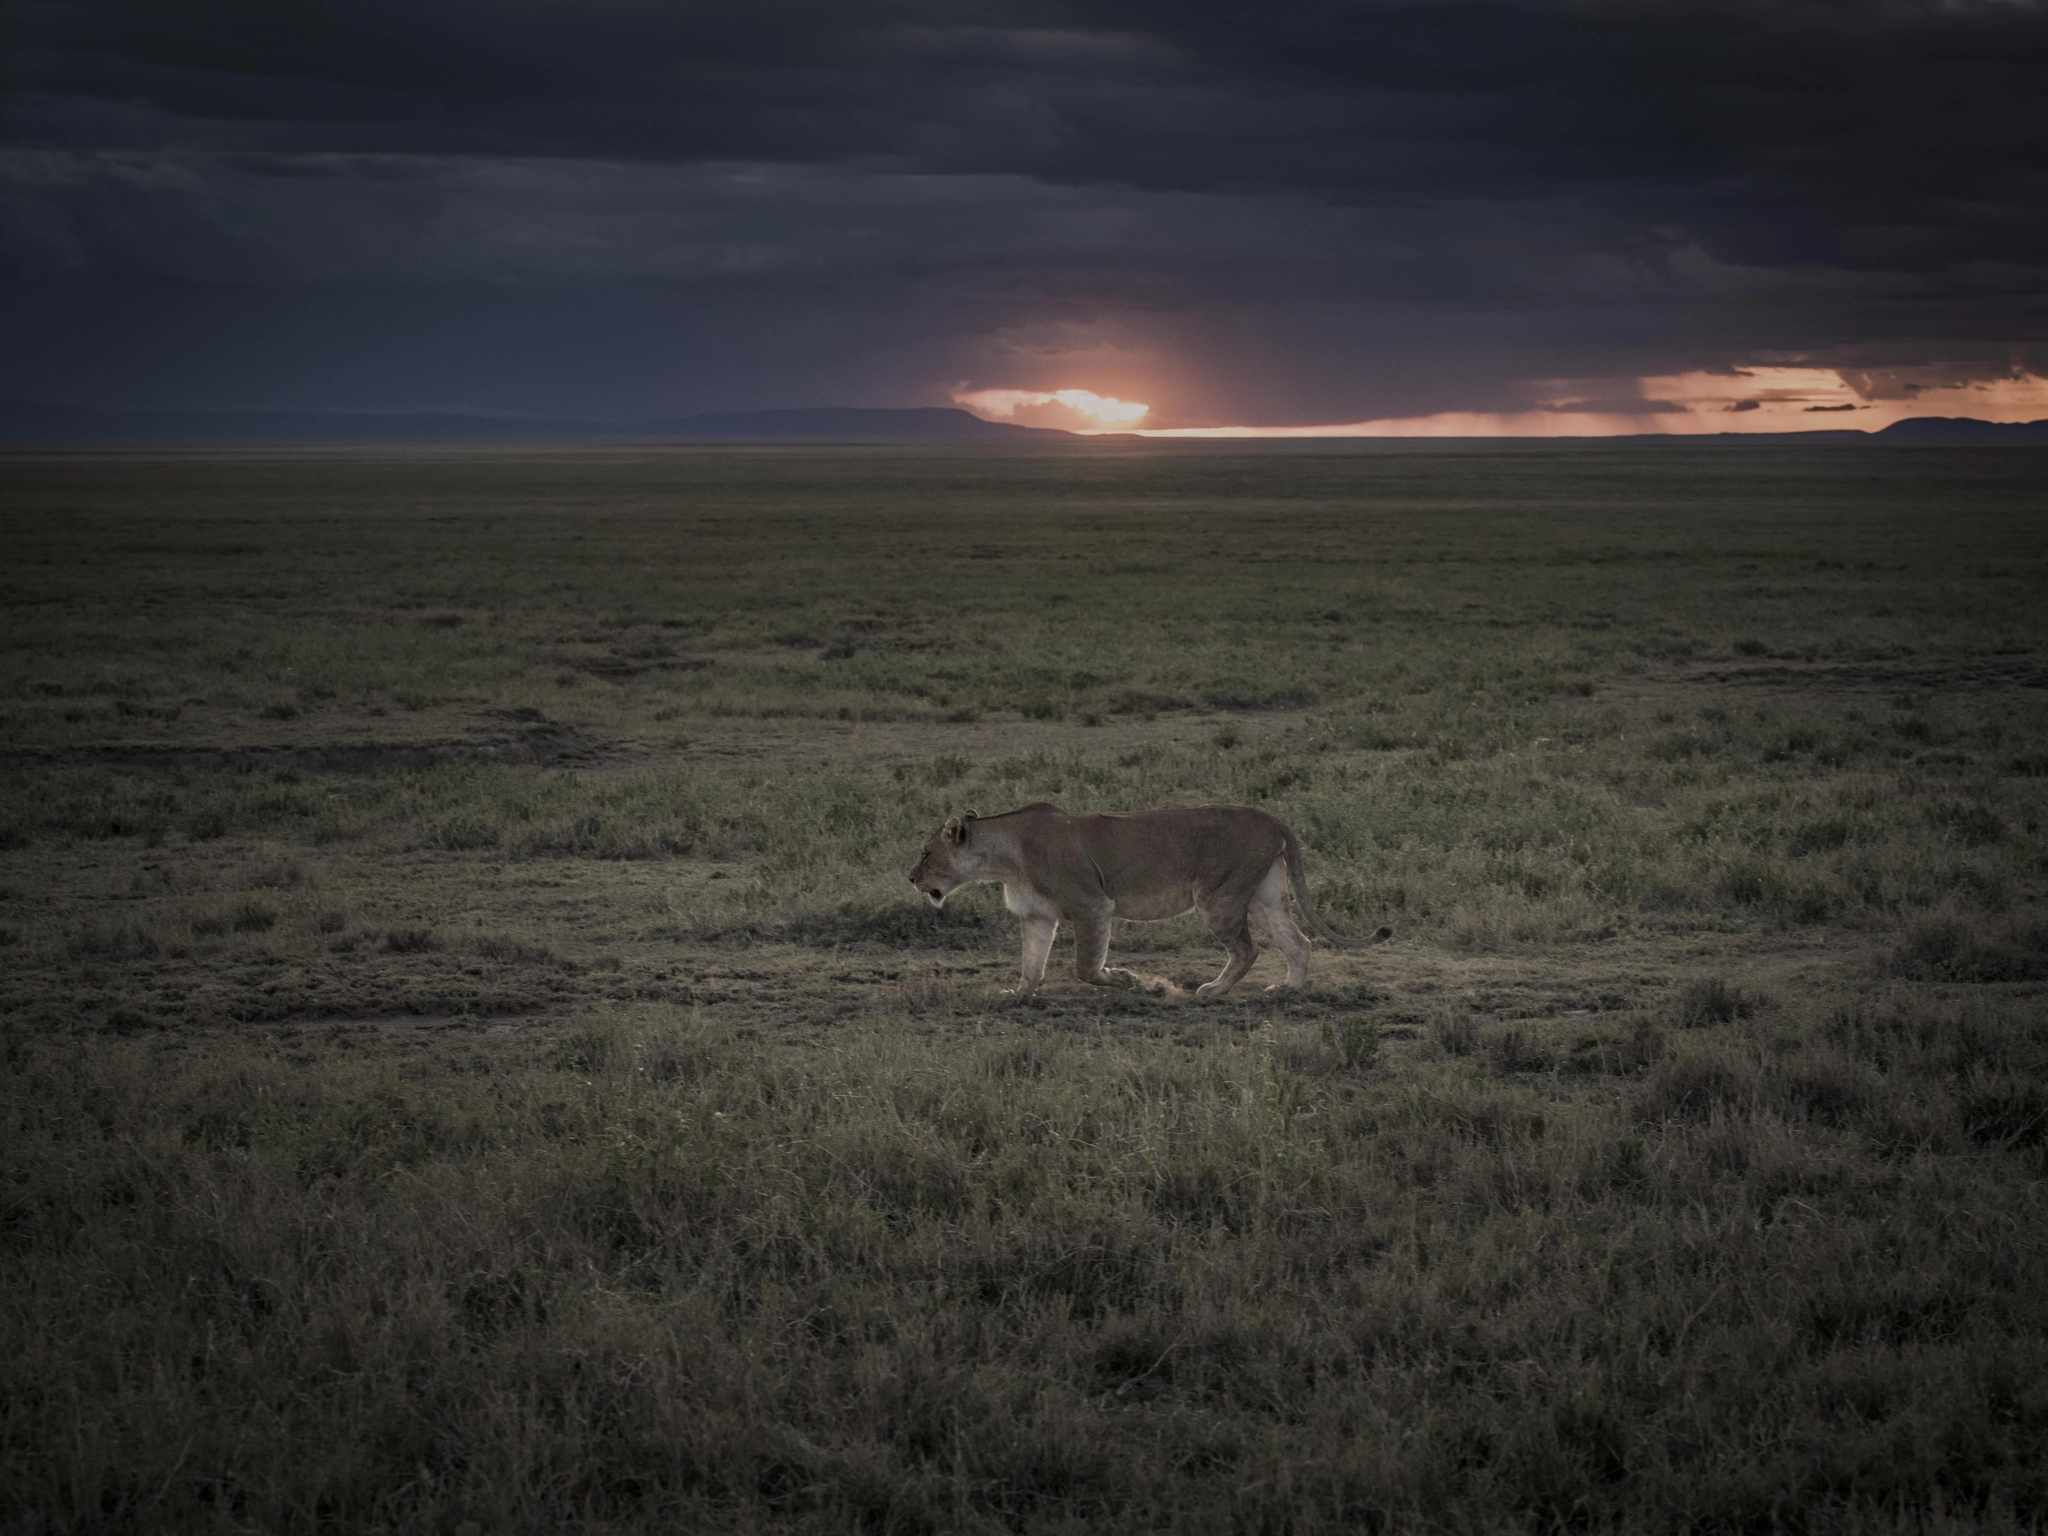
{"x": 474, "y": 1062}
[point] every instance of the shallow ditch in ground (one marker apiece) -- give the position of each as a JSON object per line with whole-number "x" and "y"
{"x": 543, "y": 745}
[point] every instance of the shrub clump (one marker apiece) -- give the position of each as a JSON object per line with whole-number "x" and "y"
{"x": 1947, "y": 948}
{"x": 1696, "y": 1085}
{"x": 1515, "y": 1050}
{"x": 1711, "y": 1000}
{"x": 253, "y": 917}
{"x": 466, "y": 834}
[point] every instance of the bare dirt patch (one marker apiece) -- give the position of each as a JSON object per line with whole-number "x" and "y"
{"x": 619, "y": 669}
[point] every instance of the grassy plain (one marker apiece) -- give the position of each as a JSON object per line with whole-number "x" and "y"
{"x": 474, "y": 1063}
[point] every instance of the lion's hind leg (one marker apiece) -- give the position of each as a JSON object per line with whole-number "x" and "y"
{"x": 1269, "y": 914}
{"x": 1231, "y": 930}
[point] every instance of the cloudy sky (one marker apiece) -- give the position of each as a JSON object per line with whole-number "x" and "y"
{"x": 1385, "y": 215}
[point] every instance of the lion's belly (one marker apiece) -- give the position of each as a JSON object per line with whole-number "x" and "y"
{"x": 1151, "y": 906}
{"x": 1141, "y": 906}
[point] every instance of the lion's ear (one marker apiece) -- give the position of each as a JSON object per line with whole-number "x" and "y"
{"x": 954, "y": 831}
{"x": 972, "y": 816}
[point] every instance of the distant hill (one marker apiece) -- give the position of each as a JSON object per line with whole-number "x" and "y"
{"x": 23, "y": 422}
{"x": 844, "y": 424}
{"x": 1963, "y": 429}
{"x": 1913, "y": 430}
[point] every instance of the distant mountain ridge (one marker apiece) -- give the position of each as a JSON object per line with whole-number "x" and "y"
{"x": 1963, "y": 429}
{"x": 938, "y": 423}
{"x": 23, "y": 422}
{"x": 1914, "y": 429}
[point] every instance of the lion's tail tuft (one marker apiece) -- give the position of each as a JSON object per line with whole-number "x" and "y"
{"x": 1297, "y": 879}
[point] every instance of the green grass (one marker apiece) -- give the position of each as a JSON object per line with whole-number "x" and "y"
{"x": 1433, "y": 593}
{"x": 473, "y": 1061}
{"x": 912, "y": 1276}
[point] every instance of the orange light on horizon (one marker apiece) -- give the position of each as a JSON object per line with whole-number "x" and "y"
{"x": 1101, "y": 412}
{"x": 1747, "y": 400}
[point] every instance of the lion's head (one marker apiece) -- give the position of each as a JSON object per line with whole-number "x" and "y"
{"x": 949, "y": 861}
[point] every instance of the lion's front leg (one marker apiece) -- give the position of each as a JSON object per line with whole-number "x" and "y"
{"x": 1038, "y": 937}
{"x": 1091, "y": 948}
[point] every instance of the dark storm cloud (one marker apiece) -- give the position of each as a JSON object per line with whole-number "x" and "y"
{"x": 1891, "y": 111}
{"x": 1337, "y": 202}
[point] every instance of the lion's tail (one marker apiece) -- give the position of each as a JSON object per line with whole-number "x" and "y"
{"x": 1298, "y": 879}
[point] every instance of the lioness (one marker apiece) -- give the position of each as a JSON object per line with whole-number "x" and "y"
{"x": 1229, "y": 862}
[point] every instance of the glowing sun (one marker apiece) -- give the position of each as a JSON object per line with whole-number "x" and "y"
{"x": 1076, "y": 410}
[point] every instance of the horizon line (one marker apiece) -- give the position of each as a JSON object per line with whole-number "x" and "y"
{"x": 1448, "y": 426}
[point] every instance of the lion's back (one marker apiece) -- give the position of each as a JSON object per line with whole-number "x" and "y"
{"x": 1203, "y": 845}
